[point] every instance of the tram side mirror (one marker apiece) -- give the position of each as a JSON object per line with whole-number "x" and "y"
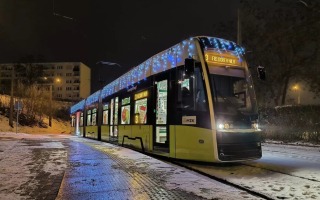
{"x": 189, "y": 66}
{"x": 261, "y": 72}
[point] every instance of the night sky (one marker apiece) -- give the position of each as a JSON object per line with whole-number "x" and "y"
{"x": 124, "y": 32}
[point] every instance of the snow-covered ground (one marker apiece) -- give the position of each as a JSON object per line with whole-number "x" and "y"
{"x": 31, "y": 165}
{"x": 284, "y": 172}
{"x": 58, "y": 127}
{"x": 21, "y": 165}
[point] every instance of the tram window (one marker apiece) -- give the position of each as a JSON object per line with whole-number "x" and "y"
{"x": 191, "y": 94}
{"x": 125, "y": 111}
{"x": 94, "y": 117}
{"x": 81, "y": 119}
{"x": 116, "y": 106}
{"x": 200, "y": 97}
{"x": 125, "y": 114}
{"x": 89, "y": 118}
{"x": 111, "y": 113}
{"x": 187, "y": 97}
{"x": 140, "y": 111}
{"x": 161, "y": 134}
{"x": 105, "y": 114}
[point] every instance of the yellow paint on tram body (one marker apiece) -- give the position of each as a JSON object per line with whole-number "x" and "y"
{"x": 193, "y": 143}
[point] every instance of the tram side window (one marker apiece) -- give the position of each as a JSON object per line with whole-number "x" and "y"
{"x": 105, "y": 114}
{"x": 140, "y": 113}
{"x": 89, "y": 118}
{"x": 81, "y": 119}
{"x": 191, "y": 94}
{"x": 94, "y": 117}
{"x": 116, "y": 106}
{"x": 125, "y": 111}
{"x": 200, "y": 98}
{"x": 140, "y": 107}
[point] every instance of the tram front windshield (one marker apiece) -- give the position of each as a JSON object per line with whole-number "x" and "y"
{"x": 233, "y": 95}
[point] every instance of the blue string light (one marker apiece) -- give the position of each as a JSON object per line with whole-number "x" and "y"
{"x": 77, "y": 107}
{"x": 167, "y": 59}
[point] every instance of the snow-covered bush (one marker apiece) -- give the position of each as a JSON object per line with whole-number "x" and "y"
{"x": 291, "y": 123}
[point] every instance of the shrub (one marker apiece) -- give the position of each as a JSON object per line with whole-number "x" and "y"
{"x": 291, "y": 123}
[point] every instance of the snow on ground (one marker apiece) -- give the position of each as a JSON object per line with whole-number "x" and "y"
{"x": 284, "y": 172}
{"x": 299, "y": 168}
{"x": 27, "y": 162}
{"x": 175, "y": 177}
{"x": 58, "y": 127}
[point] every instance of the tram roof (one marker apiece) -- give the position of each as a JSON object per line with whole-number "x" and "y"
{"x": 162, "y": 61}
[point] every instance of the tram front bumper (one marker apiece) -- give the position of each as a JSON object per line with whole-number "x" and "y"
{"x": 238, "y": 146}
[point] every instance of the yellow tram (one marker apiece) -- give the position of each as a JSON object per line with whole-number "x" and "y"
{"x": 192, "y": 101}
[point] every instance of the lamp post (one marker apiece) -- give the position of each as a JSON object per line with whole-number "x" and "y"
{"x": 58, "y": 80}
{"x": 50, "y": 100}
{"x": 297, "y": 89}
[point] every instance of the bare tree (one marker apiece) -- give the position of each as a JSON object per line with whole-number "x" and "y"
{"x": 284, "y": 37}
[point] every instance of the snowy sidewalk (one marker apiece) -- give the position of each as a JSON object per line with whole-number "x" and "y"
{"x": 31, "y": 166}
{"x": 100, "y": 170}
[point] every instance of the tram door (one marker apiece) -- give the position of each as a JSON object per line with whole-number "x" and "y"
{"x": 114, "y": 119}
{"x": 161, "y": 129}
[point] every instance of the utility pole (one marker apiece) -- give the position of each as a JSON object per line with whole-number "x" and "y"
{"x": 239, "y": 37}
{"x": 11, "y": 99}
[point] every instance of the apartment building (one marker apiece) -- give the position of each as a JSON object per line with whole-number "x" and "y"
{"x": 69, "y": 80}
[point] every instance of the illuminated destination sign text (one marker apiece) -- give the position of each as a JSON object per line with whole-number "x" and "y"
{"x": 221, "y": 59}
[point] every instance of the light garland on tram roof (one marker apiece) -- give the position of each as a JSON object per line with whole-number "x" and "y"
{"x": 162, "y": 61}
{"x": 93, "y": 98}
{"x": 223, "y": 45}
{"x": 78, "y": 106}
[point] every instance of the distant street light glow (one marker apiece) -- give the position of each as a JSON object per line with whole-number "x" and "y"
{"x": 297, "y": 89}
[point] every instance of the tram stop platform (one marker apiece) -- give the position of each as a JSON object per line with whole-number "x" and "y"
{"x": 99, "y": 170}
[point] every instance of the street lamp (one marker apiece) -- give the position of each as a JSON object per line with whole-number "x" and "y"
{"x": 58, "y": 80}
{"x": 50, "y": 98}
{"x": 297, "y": 89}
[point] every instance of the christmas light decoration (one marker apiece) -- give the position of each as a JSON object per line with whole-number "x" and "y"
{"x": 163, "y": 61}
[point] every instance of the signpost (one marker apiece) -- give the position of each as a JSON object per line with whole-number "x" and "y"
{"x": 17, "y": 108}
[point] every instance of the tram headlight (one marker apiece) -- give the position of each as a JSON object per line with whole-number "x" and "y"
{"x": 224, "y": 126}
{"x": 220, "y": 126}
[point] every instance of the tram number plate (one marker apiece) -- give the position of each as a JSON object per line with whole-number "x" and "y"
{"x": 189, "y": 119}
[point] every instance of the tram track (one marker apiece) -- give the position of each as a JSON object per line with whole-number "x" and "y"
{"x": 216, "y": 178}
{"x": 271, "y": 194}
{"x": 280, "y": 172}
{"x": 224, "y": 181}
{"x": 237, "y": 182}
